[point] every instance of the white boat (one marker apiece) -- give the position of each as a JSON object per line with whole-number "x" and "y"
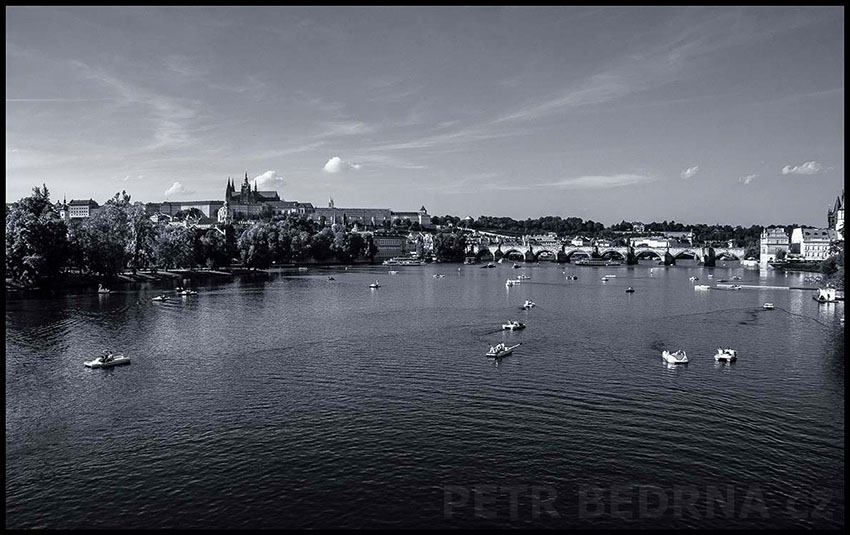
{"x": 391, "y": 262}
{"x": 410, "y": 263}
{"x": 693, "y": 279}
{"x": 735, "y": 287}
{"x": 676, "y": 357}
{"x": 611, "y": 276}
{"x": 824, "y": 295}
{"x": 604, "y": 279}
{"x": 160, "y": 298}
{"x": 102, "y": 290}
{"x": 513, "y": 325}
{"x": 630, "y": 290}
{"x": 528, "y": 304}
{"x": 572, "y": 278}
{"x": 374, "y": 285}
{"x": 500, "y": 350}
{"x": 515, "y": 266}
{"x": 710, "y": 276}
{"x": 524, "y": 277}
{"x": 726, "y": 354}
{"x": 701, "y": 287}
{"x": 188, "y": 292}
{"x": 107, "y": 361}
{"x": 438, "y": 276}
{"x": 393, "y": 272}
{"x": 331, "y": 279}
{"x": 509, "y": 283}
{"x": 500, "y": 260}
{"x": 768, "y": 306}
{"x": 302, "y": 269}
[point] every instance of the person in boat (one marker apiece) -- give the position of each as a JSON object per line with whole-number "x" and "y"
{"x": 107, "y": 356}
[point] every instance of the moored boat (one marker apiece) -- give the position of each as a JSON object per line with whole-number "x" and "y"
{"x": 693, "y": 279}
{"x": 375, "y": 284}
{"x": 768, "y": 306}
{"x": 160, "y": 298}
{"x": 676, "y": 357}
{"x": 726, "y": 354}
{"x": 500, "y": 350}
{"x": 824, "y": 295}
{"x": 513, "y": 325}
{"x": 528, "y": 304}
{"x": 630, "y": 290}
{"x": 701, "y": 287}
{"x": 107, "y": 360}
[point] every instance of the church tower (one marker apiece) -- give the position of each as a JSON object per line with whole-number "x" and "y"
{"x": 245, "y": 197}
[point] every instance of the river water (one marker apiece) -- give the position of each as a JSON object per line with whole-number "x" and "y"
{"x": 295, "y": 401}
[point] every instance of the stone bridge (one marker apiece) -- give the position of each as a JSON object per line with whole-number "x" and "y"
{"x": 533, "y": 251}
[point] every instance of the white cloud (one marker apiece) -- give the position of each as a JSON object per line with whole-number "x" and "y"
{"x": 689, "y": 172}
{"x": 337, "y": 164}
{"x": 178, "y": 189}
{"x": 747, "y": 179}
{"x": 808, "y": 168}
{"x": 268, "y": 181}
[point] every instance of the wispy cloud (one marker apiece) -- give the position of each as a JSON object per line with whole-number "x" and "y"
{"x": 808, "y": 168}
{"x": 747, "y": 179}
{"x": 601, "y": 181}
{"x": 58, "y": 99}
{"x": 689, "y": 172}
{"x": 173, "y": 116}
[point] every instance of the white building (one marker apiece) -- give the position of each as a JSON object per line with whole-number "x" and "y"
{"x": 772, "y": 241}
{"x": 813, "y": 244}
{"x": 79, "y": 209}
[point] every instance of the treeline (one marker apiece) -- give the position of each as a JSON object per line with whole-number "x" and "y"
{"x": 120, "y": 236}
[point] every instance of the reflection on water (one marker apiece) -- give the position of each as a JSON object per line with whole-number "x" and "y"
{"x": 291, "y": 400}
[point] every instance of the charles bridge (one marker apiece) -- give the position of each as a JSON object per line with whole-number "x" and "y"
{"x": 529, "y": 249}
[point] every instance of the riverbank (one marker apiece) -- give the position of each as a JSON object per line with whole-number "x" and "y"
{"x": 77, "y": 280}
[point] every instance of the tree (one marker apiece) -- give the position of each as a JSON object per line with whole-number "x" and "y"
{"x": 36, "y": 238}
{"x": 141, "y": 239}
{"x": 254, "y": 246}
{"x": 214, "y": 246}
{"x": 105, "y": 237}
{"x": 174, "y": 247}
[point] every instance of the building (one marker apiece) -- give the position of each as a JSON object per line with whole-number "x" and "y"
{"x": 366, "y": 217}
{"x": 82, "y": 209}
{"x": 835, "y": 217}
{"x": 812, "y": 244}
{"x": 420, "y": 217}
{"x": 580, "y": 241}
{"x": 772, "y": 241}
{"x": 637, "y": 226}
{"x": 390, "y": 246}
{"x": 247, "y": 203}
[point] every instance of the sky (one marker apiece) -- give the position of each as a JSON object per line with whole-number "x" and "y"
{"x": 697, "y": 115}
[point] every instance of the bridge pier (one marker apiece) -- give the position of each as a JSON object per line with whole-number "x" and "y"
{"x": 709, "y": 257}
{"x": 669, "y": 259}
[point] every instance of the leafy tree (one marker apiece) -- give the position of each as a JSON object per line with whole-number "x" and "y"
{"x": 214, "y": 246}
{"x": 174, "y": 247}
{"x": 254, "y": 246}
{"x": 36, "y": 238}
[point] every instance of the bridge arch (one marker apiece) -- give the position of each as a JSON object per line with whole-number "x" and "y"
{"x": 697, "y": 255}
{"x": 648, "y": 253}
{"x": 517, "y": 254}
{"x": 553, "y": 254}
{"x": 484, "y": 252}
{"x": 725, "y": 255}
{"x": 610, "y": 253}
